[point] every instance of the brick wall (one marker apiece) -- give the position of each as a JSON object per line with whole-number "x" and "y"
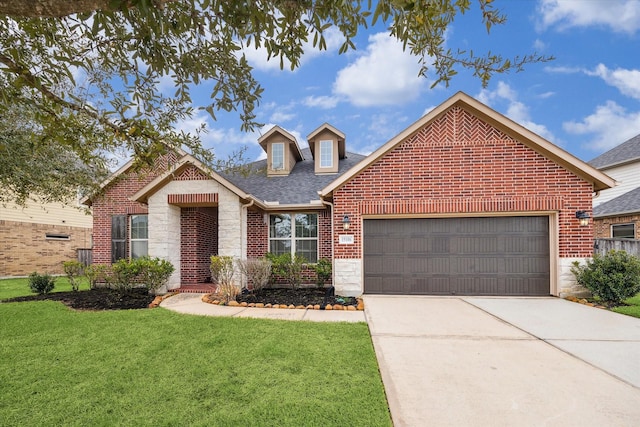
{"x": 459, "y": 164}
{"x": 199, "y": 240}
{"x": 602, "y": 226}
{"x": 25, "y": 248}
{"x": 115, "y": 201}
{"x": 258, "y": 240}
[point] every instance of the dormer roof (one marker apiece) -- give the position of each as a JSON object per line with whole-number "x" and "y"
{"x": 295, "y": 148}
{"x": 340, "y": 136}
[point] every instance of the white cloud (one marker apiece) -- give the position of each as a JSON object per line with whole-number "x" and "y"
{"x": 383, "y": 75}
{"x": 620, "y": 16}
{"x": 281, "y": 116}
{"x": 513, "y": 108}
{"x": 259, "y": 58}
{"x": 610, "y": 123}
{"x": 323, "y": 102}
{"x": 626, "y": 81}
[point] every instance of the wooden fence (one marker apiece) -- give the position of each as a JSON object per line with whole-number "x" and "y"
{"x": 85, "y": 256}
{"x": 602, "y": 246}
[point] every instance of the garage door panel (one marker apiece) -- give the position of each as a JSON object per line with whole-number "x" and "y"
{"x": 459, "y": 256}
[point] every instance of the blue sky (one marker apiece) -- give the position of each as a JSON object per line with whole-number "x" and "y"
{"x": 586, "y": 101}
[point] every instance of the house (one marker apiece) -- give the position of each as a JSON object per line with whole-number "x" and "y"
{"x": 40, "y": 236}
{"x": 616, "y": 211}
{"x": 463, "y": 201}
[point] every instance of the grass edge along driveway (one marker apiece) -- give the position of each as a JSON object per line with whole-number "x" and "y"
{"x": 156, "y": 367}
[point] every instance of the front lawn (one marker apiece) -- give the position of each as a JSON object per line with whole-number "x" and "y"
{"x": 157, "y": 367}
{"x": 633, "y": 307}
{"x": 11, "y": 288}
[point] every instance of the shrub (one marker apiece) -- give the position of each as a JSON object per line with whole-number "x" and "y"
{"x": 73, "y": 270}
{"x": 222, "y": 270}
{"x": 94, "y": 273}
{"x": 154, "y": 272}
{"x": 323, "y": 271}
{"x": 124, "y": 274}
{"x": 287, "y": 267}
{"x": 256, "y": 270}
{"x": 612, "y": 277}
{"x": 41, "y": 283}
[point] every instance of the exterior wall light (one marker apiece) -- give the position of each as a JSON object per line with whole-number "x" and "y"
{"x": 583, "y": 216}
{"x": 346, "y": 222}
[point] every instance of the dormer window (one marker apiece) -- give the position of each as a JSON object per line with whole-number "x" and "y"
{"x": 327, "y": 145}
{"x": 326, "y": 154}
{"x": 277, "y": 156}
{"x": 282, "y": 151}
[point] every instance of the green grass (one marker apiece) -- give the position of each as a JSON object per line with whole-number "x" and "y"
{"x": 11, "y": 288}
{"x": 160, "y": 368}
{"x": 633, "y": 309}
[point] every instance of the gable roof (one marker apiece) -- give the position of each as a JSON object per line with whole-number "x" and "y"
{"x": 627, "y": 203}
{"x": 277, "y": 129}
{"x": 599, "y": 180}
{"x": 145, "y": 192}
{"x": 627, "y": 152}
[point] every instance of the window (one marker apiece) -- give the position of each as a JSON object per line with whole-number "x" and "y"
{"x": 326, "y": 154}
{"x": 277, "y": 155}
{"x": 139, "y": 236}
{"x": 300, "y": 239}
{"x": 118, "y": 237}
{"x": 623, "y": 231}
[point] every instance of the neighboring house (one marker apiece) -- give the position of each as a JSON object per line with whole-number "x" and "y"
{"x": 616, "y": 211}
{"x": 464, "y": 201}
{"x": 39, "y": 237}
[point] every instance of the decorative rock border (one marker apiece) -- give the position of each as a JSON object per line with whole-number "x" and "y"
{"x": 211, "y": 299}
{"x": 158, "y": 299}
{"x": 585, "y": 302}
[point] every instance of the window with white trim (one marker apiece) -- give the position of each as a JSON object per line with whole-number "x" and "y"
{"x": 277, "y": 155}
{"x": 139, "y": 239}
{"x": 326, "y": 154}
{"x": 623, "y": 231}
{"x": 299, "y": 238}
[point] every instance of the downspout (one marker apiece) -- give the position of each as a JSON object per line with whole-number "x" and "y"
{"x": 333, "y": 278}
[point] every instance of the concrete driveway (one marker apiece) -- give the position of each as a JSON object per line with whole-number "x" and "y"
{"x": 471, "y": 361}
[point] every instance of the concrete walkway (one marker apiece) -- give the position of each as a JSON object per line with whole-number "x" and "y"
{"x": 505, "y": 362}
{"x": 192, "y": 304}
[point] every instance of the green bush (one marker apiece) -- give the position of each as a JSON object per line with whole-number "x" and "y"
{"x": 222, "y": 269}
{"x": 287, "y": 267}
{"x": 124, "y": 274}
{"x": 613, "y": 277}
{"x": 154, "y": 272}
{"x": 73, "y": 270}
{"x": 95, "y": 273}
{"x": 41, "y": 283}
{"x": 323, "y": 271}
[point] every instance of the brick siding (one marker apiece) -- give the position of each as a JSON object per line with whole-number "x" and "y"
{"x": 26, "y": 249}
{"x": 115, "y": 201}
{"x": 602, "y": 226}
{"x": 459, "y": 164}
{"x": 199, "y": 240}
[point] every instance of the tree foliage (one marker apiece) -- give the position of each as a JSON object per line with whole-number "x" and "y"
{"x": 92, "y": 71}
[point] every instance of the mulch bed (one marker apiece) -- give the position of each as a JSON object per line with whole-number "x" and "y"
{"x": 109, "y": 299}
{"x": 297, "y": 297}
{"x": 96, "y": 299}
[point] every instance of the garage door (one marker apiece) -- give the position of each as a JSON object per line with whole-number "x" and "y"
{"x": 457, "y": 256}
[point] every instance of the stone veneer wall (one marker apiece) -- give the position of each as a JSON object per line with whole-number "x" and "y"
{"x": 25, "y": 248}
{"x": 460, "y": 165}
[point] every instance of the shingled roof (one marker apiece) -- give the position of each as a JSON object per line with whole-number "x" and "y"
{"x": 626, "y": 152}
{"x": 627, "y": 203}
{"x": 301, "y": 186}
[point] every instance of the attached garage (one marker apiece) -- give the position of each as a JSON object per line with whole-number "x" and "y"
{"x": 501, "y": 255}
